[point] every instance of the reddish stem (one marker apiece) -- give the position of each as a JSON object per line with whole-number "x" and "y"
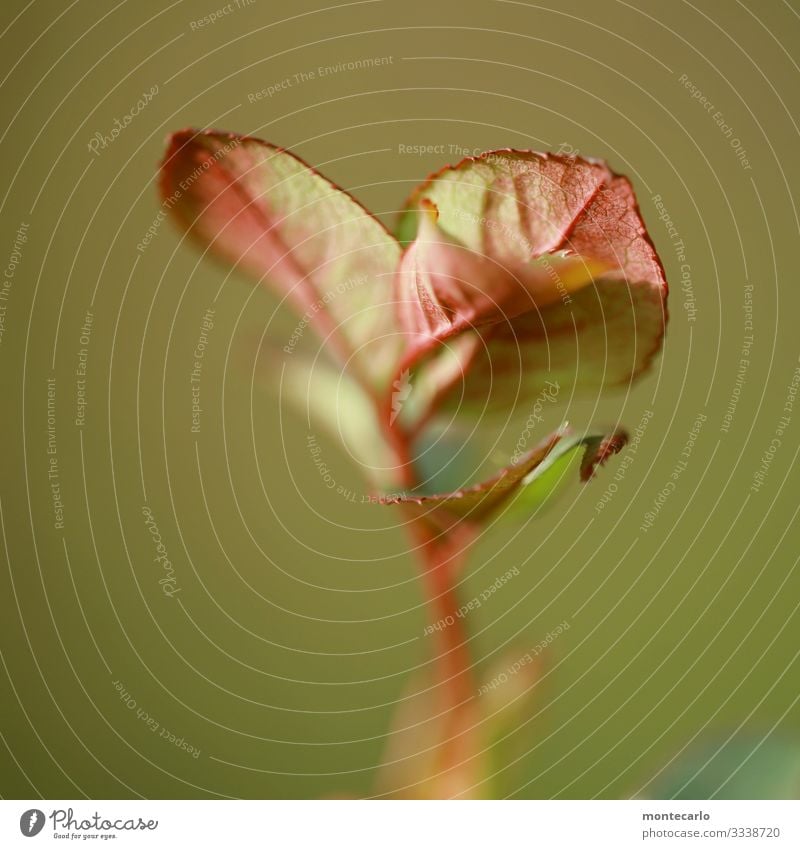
{"x": 441, "y": 559}
{"x": 440, "y": 554}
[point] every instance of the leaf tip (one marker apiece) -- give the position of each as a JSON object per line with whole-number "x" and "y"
{"x": 598, "y": 451}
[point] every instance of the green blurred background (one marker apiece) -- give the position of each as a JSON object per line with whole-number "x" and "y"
{"x": 293, "y": 634}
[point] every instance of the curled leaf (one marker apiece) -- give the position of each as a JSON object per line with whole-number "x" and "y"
{"x": 447, "y": 288}
{"x": 564, "y": 232}
{"x": 520, "y": 487}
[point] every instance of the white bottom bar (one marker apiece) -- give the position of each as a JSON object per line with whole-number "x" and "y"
{"x": 402, "y": 825}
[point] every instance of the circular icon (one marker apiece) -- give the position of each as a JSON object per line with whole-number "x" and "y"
{"x": 31, "y": 822}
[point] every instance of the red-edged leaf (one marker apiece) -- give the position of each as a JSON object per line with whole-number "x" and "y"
{"x": 511, "y": 209}
{"x": 264, "y": 210}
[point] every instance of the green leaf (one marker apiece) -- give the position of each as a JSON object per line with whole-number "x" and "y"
{"x": 519, "y": 487}
{"x": 541, "y": 485}
{"x": 744, "y": 767}
{"x": 509, "y": 697}
{"x": 330, "y": 401}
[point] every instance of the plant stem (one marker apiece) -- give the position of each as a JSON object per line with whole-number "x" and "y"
{"x": 441, "y": 554}
{"x": 441, "y": 558}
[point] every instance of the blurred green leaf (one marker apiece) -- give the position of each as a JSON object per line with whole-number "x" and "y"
{"x": 449, "y": 457}
{"x": 739, "y": 768}
{"x": 414, "y": 765}
{"x": 330, "y": 401}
